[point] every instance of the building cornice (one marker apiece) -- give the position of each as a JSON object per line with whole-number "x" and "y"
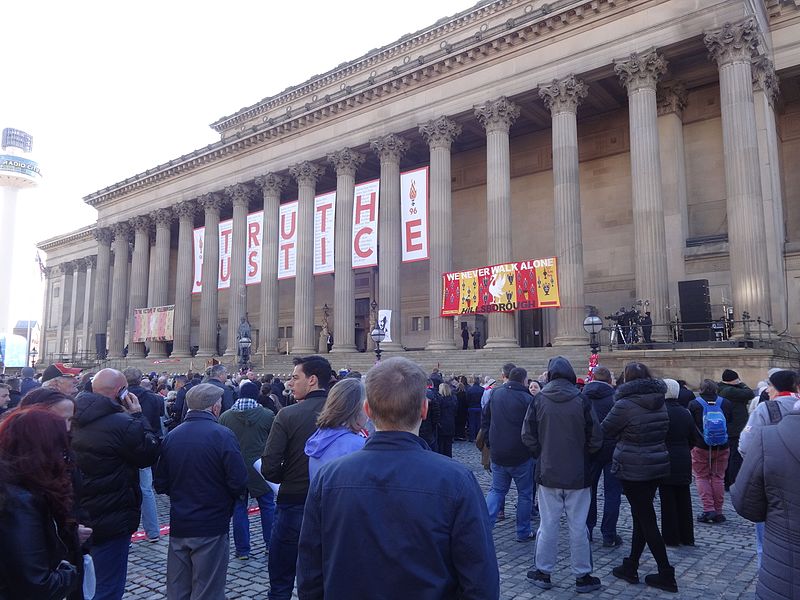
{"x": 529, "y": 26}
{"x": 68, "y": 238}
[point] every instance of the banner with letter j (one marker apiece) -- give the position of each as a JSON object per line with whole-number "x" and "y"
{"x": 522, "y": 285}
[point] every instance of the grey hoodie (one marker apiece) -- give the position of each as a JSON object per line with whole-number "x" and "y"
{"x": 561, "y": 430}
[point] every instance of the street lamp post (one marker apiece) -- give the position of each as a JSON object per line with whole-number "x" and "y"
{"x": 378, "y": 335}
{"x": 593, "y": 325}
{"x": 33, "y": 355}
{"x": 244, "y": 351}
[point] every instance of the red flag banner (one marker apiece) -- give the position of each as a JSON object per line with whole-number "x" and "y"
{"x": 522, "y": 285}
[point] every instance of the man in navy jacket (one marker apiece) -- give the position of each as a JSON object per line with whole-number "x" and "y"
{"x": 395, "y": 519}
{"x": 202, "y": 470}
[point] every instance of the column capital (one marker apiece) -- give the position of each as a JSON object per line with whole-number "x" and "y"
{"x": 346, "y": 161}
{"x": 563, "y": 95}
{"x": 497, "y": 115}
{"x": 440, "y": 132}
{"x": 306, "y": 173}
{"x": 211, "y": 201}
{"x": 764, "y": 78}
{"x": 104, "y": 235}
{"x": 671, "y": 98}
{"x": 89, "y": 262}
{"x": 69, "y": 267}
{"x": 51, "y": 272}
{"x": 186, "y": 209}
{"x": 141, "y": 223}
{"x": 733, "y": 42}
{"x": 272, "y": 182}
{"x": 162, "y": 217}
{"x": 78, "y": 265}
{"x": 239, "y": 194}
{"x": 641, "y": 69}
{"x": 121, "y": 230}
{"x": 390, "y": 147}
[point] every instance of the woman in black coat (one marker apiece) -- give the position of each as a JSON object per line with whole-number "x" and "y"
{"x": 677, "y": 521}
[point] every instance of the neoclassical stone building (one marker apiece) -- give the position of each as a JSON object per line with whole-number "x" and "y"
{"x": 642, "y": 142}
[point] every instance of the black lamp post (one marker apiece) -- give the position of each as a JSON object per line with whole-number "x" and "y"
{"x": 33, "y": 354}
{"x": 378, "y": 335}
{"x": 593, "y": 325}
{"x": 244, "y": 351}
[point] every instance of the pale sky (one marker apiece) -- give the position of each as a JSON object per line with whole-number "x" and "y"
{"x": 110, "y": 89}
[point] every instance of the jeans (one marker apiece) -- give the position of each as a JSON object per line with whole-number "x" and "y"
{"x": 759, "y": 542}
{"x": 241, "y": 521}
{"x": 552, "y": 503}
{"x": 149, "y": 513}
{"x": 641, "y": 495}
{"x": 612, "y": 497}
{"x": 709, "y": 474}
{"x": 111, "y": 567}
{"x": 501, "y": 483}
{"x": 283, "y": 550}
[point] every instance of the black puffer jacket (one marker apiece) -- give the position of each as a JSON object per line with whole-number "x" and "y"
{"x": 601, "y": 395}
{"x": 32, "y": 549}
{"x": 639, "y": 422}
{"x": 111, "y": 446}
{"x": 739, "y": 396}
{"x": 680, "y": 437}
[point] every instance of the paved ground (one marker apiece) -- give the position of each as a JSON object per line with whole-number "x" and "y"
{"x": 721, "y": 565}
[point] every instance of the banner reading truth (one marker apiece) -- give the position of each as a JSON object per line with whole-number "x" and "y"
{"x": 501, "y": 288}
{"x": 153, "y": 324}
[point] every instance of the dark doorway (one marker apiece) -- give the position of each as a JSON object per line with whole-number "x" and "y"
{"x": 530, "y": 328}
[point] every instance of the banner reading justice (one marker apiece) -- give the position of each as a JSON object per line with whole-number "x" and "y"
{"x": 501, "y": 288}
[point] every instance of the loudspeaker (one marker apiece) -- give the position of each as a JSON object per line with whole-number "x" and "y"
{"x": 695, "y": 310}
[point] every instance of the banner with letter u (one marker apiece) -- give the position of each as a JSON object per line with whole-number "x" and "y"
{"x": 522, "y": 285}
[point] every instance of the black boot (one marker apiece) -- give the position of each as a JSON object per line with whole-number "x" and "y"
{"x": 665, "y": 580}
{"x": 627, "y": 571}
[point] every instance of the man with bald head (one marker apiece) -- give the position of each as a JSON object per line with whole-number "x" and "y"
{"x": 202, "y": 470}
{"x": 112, "y": 441}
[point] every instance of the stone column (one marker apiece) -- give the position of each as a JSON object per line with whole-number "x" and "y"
{"x": 390, "y": 149}
{"x": 732, "y": 47}
{"x": 64, "y": 270}
{"x": 271, "y": 186}
{"x": 640, "y": 74}
{"x": 562, "y": 98}
{"x": 765, "y": 93}
{"x": 239, "y": 195}
{"x": 306, "y": 174}
{"x": 209, "y": 300}
{"x": 119, "y": 291}
{"x": 671, "y": 99}
{"x": 140, "y": 272}
{"x": 182, "y": 325}
{"x": 439, "y": 134}
{"x": 159, "y": 295}
{"x": 77, "y": 267}
{"x": 89, "y": 266}
{"x": 104, "y": 236}
{"x": 346, "y": 162}
{"x": 497, "y": 116}
{"x": 48, "y": 293}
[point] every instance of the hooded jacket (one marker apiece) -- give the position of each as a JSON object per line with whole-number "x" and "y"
{"x": 111, "y": 446}
{"x": 559, "y": 422}
{"x": 739, "y": 396}
{"x": 639, "y": 422}
{"x": 251, "y": 428}
{"x": 679, "y": 440}
{"x": 502, "y": 423}
{"x": 328, "y": 444}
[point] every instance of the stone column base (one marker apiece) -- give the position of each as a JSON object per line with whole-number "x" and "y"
{"x": 303, "y": 351}
{"x": 337, "y": 349}
{"x": 441, "y": 345}
{"x": 569, "y": 340}
{"x": 496, "y": 342}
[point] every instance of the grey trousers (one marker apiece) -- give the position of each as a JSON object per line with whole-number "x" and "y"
{"x": 552, "y": 504}
{"x": 197, "y": 567}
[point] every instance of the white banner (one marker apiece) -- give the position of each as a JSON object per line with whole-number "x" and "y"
{"x": 287, "y": 240}
{"x": 324, "y": 226}
{"x": 385, "y": 323}
{"x": 365, "y": 225}
{"x": 252, "y": 256}
{"x": 414, "y": 214}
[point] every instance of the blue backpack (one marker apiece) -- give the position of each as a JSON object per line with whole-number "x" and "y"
{"x": 715, "y": 425}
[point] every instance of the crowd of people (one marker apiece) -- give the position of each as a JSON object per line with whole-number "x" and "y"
{"x": 350, "y": 495}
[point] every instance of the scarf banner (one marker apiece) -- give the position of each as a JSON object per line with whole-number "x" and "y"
{"x": 154, "y": 324}
{"x": 522, "y": 285}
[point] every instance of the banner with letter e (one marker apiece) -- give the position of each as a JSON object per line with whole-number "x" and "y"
{"x": 522, "y": 285}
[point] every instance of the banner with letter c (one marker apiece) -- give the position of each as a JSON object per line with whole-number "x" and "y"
{"x": 522, "y": 285}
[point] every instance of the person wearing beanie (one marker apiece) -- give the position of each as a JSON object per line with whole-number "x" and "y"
{"x": 28, "y": 383}
{"x": 739, "y": 395}
{"x": 677, "y": 522}
{"x": 251, "y": 423}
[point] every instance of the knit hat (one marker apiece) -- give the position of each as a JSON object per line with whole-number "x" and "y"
{"x": 28, "y": 372}
{"x": 249, "y": 390}
{"x": 729, "y": 375}
{"x": 773, "y": 370}
{"x": 784, "y": 381}
{"x": 673, "y": 389}
{"x": 59, "y": 370}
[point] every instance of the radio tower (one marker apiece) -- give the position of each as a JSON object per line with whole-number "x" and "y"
{"x": 17, "y": 171}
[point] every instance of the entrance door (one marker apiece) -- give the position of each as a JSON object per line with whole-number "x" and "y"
{"x": 530, "y": 328}
{"x": 362, "y": 324}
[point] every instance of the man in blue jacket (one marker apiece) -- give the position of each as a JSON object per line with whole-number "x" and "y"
{"x": 202, "y": 471}
{"x": 395, "y": 519}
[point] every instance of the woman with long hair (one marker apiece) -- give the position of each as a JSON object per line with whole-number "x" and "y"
{"x": 447, "y": 419}
{"x": 35, "y": 506}
{"x": 53, "y": 400}
{"x": 639, "y": 422}
{"x": 340, "y": 425}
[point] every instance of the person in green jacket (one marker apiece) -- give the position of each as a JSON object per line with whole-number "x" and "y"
{"x": 250, "y": 422}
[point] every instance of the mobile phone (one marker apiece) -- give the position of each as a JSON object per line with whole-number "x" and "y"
{"x": 123, "y": 393}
